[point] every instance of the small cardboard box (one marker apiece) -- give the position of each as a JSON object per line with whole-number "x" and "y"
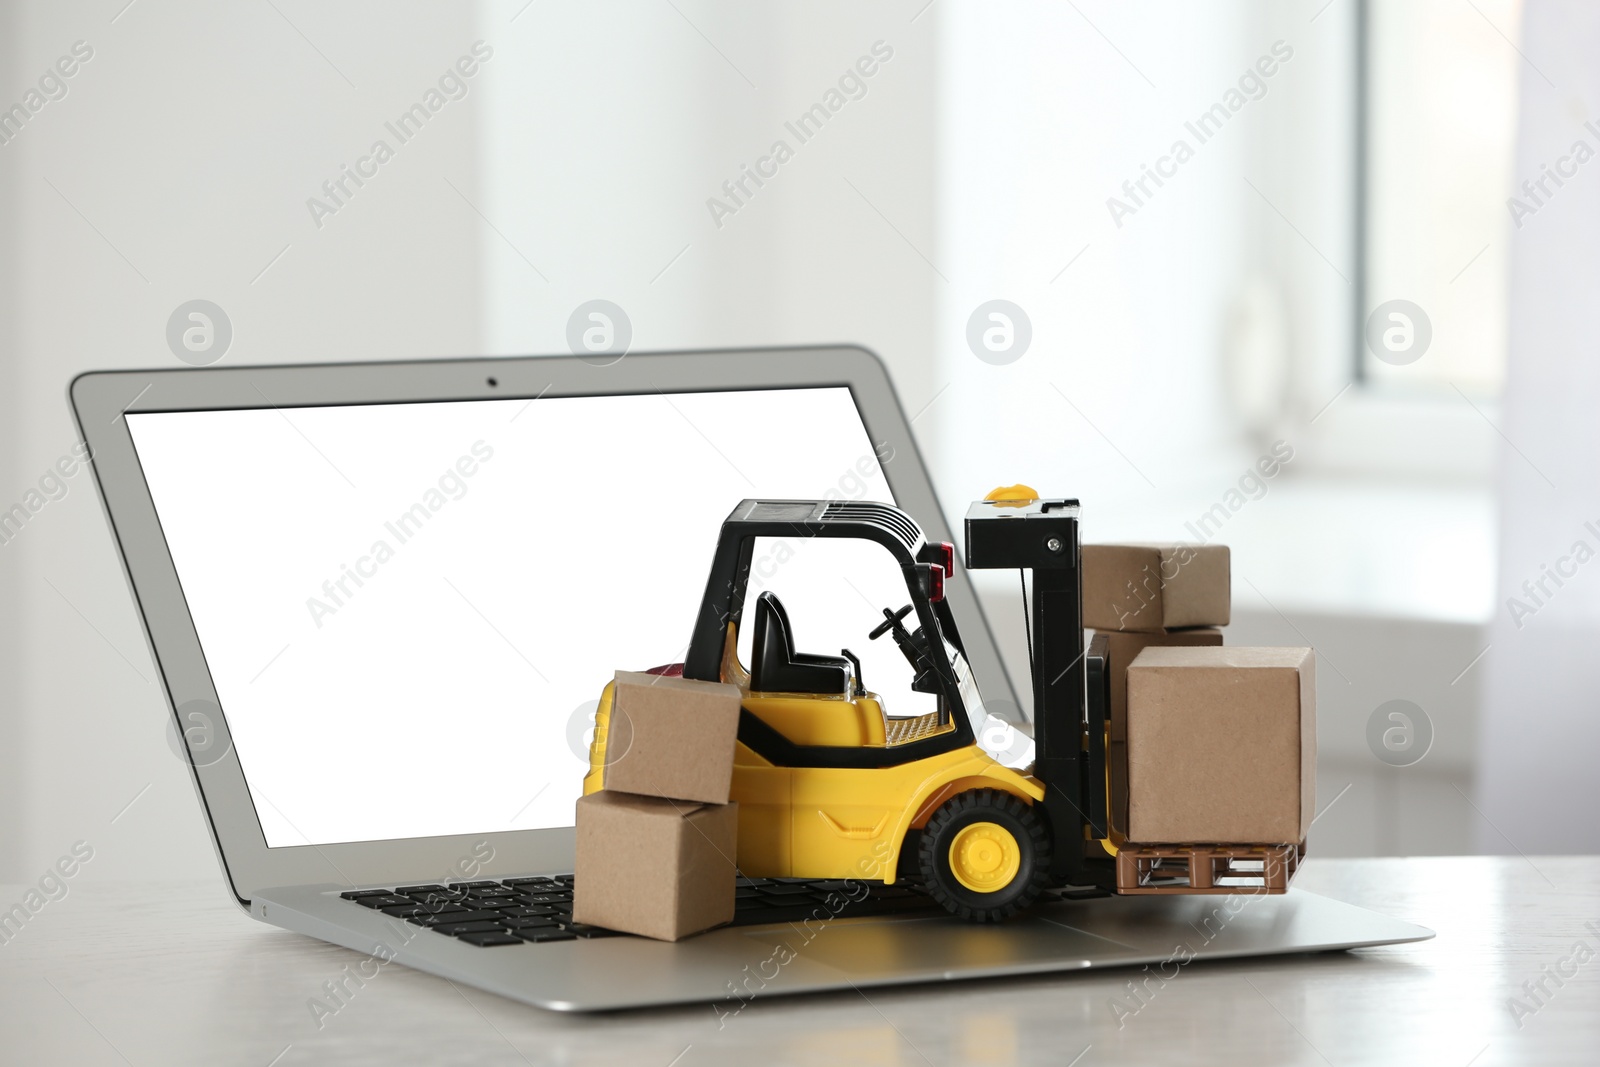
{"x": 1151, "y": 588}
{"x": 1222, "y": 745}
{"x": 671, "y": 737}
{"x": 1122, "y": 649}
{"x": 655, "y": 867}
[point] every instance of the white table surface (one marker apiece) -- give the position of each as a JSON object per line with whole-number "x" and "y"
{"x": 175, "y": 974}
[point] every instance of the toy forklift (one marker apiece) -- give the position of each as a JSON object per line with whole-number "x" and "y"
{"x": 828, "y": 786}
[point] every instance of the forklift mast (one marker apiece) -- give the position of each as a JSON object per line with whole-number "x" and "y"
{"x": 1071, "y": 695}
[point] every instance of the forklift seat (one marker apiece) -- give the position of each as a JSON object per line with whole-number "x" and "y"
{"x": 775, "y": 666}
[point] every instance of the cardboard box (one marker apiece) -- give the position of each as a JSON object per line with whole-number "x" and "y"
{"x": 655, "y": 867}
{"x": 671, "y": 737}
{"x": 1122, "y": 649}
{"x": 1151, "y": 588}
{"x": 1222, "y": 745}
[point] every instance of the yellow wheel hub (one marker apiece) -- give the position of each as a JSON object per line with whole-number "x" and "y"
{"x": 985, "y": 857}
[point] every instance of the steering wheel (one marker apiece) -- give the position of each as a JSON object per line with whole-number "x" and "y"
{"x": 891, "y": 621}
{"x": 915, "y": 649}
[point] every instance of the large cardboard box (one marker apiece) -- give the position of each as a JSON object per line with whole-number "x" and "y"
{"x": 1122, "y": 648}
{"x": 671, "y": 737}
{"x": 1222, "y": 745}
{"x": 1151, "y": 588}
{"x": 655, "y": 867}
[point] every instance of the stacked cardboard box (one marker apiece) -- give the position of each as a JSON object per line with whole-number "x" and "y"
{"x": 656, "y": 844}
{"x": 1222, "y": 745}
{"x": 1149, "y": 595}
{"x": 1152, "y": 588}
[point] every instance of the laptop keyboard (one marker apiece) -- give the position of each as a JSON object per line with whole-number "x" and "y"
{"x": 518, "y": 911}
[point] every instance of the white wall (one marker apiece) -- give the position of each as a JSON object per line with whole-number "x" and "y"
{"x": 612, "y": 128}
{"x": 1541, "y": 728}
{"x": 1041, "y": 122}
{"x": 189, "y": 143}
{"x": 12, "y": 789}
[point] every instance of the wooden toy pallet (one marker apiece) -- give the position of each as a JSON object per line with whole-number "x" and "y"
{"x": 1206, "y": 868}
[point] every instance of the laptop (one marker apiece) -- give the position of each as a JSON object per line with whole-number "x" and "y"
{"x": 384, "y": 598}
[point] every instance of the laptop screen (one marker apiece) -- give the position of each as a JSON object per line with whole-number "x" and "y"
{"x": 409, "y": 610}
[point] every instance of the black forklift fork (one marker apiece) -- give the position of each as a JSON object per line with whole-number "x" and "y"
{"x": 1071, "y": 681}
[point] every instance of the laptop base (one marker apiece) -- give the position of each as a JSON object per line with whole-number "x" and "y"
{"x": 730, "y": 966}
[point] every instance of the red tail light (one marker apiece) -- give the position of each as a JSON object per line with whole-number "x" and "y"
{"x": 946, "y": 557}
{"x": 935, "y": 582}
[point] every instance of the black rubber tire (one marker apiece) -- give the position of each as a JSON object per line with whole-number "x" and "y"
{"x": 1003, "y": 809}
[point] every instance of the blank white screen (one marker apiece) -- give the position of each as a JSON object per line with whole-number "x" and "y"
{"x": 448, "y": 692}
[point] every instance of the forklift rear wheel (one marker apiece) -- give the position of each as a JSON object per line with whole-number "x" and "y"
{"x": 985, "y": 855}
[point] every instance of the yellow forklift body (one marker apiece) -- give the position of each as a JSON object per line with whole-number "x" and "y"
{"x": 829, "y": 721}
{"x": 834, "y": 822}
